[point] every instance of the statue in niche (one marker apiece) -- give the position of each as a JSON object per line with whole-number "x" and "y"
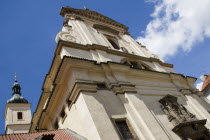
{"x": 187, "y": 126}
{"x": 176, "y": 113}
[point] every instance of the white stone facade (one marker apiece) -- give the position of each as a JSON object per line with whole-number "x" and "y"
{"x": 84, "y": 34}
{"x": 84, "y": 58}
{"x": 12, "y": 123}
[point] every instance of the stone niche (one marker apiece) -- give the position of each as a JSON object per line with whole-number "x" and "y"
{"x": 186, "y": 125}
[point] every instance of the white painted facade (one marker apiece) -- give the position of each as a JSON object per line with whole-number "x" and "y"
{"x": 14, "y": 125}
{"x": 85, "y": 58}
{"x": 83, "y": 33}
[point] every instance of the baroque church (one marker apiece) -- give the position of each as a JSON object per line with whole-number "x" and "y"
{"x": 103, "y": 85}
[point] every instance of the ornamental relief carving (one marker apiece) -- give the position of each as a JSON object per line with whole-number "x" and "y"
{"x": 175, "y": 112}
{"x": 67, "y": 35}
{"x": 186, "y": 125}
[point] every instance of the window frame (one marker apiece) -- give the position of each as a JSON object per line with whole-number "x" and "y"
{"x": 21, "y": 114}
{"x": 113, "y": 39}
{"x": 114, "y": 44}
{"x": 114, "y": 120}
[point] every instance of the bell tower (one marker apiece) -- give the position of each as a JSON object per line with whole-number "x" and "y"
{"x": 17, "y": 113}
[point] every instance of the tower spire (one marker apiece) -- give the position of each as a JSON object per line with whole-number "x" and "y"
{"x": 16, "y": 86}
{"x": 16, "y": 95}
{"x": 15, "y": 76}
{"x": 18, "y": 112}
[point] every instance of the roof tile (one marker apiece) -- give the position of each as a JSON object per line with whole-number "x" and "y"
{"x": 61, "y": 134}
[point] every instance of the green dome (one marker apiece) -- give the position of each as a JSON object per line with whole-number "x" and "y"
{"x": 16, "y": 98}
{"x": 16, "y": 95}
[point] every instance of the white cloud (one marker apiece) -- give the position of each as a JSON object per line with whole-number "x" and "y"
{"x": 199, "y": 86}
{"x": 176, "y": 24}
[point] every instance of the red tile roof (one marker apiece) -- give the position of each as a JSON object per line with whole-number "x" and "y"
{"x": 59, "y": 135}
{"x": 206, "y": 82}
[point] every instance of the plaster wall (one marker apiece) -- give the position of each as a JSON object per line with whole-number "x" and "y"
{"x": 85, "y": 34}
{"x": 11, "y": 117}
{"x": 12, "y": 123}
{"x": 103, "y": 56}
{"x": 88, "y": 117}
{"x": 14, "y": 129}
{"x": 142, "y": 109}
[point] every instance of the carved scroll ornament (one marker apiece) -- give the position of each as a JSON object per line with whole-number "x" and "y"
{"x": 67, "y": 35}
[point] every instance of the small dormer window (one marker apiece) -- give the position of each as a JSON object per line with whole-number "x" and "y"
{"x": 20, "y": 115}
{"x": 114, "y": 44}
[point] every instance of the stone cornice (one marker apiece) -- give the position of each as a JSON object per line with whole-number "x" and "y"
{"x": 123, "y": 88}
{"x": 50, "y": 107}
{"x": 88, "y": 86}
{"x": 82, "y": 87}
{"x": 105, "y": 28}
{"x": 80, "y": 13}
{"x": 111, "y": 51}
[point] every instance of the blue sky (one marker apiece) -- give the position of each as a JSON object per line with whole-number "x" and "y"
{"x": 28, "y": 29}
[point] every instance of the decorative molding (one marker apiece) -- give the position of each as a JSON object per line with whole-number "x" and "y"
{"x": 187, "y": 126}
{"x": 105, "y": 28}
{"x": 176, "y": 113}
{"x": 186, "y": 91}
{"x": 112, "y": 51}
{"x": 123, "y": 88}
{"x": 178, "y": 95}
{"x": 91, "y": 15}
{"x": 67, "y": 35}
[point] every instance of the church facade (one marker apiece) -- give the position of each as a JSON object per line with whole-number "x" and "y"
{"x": 104, "y": 85}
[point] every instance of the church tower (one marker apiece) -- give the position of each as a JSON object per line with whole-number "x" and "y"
{"x": 104, "y": 85}
{"x": 17, "y": 113}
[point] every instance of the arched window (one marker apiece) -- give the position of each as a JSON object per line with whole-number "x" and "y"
{"x": 114, "y": 44}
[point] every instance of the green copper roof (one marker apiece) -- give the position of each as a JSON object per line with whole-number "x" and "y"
{"x": 16, "y": 95}
{"x": 16, "y": 98}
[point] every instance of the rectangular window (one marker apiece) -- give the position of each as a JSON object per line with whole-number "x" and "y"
{"x": 124, "y": 130}
{"x": 20, "y": 115}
